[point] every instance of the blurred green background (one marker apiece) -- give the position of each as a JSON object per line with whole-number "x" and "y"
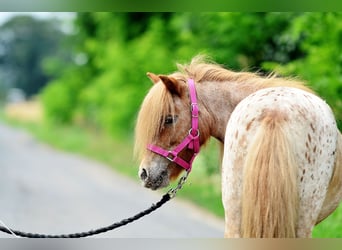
{"x": 82, "y": 75}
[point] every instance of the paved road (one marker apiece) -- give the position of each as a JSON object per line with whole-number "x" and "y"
{"x": 46, "y": 191}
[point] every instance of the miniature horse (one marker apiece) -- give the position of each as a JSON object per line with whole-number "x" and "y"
{"x": 282, "y": 151}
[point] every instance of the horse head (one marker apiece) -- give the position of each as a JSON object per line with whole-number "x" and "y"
{"x": 163, "y": 122}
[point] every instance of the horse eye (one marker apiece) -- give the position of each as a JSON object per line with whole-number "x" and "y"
{"x": 170, "y": 119}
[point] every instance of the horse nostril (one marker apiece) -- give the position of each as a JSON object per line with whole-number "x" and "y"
{"x": 143, "y": 174}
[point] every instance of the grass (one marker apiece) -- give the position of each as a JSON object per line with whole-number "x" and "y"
{"x": 201, "y": 188}
{"x": 330, "y": 227}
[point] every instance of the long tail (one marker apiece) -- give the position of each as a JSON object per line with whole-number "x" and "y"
{"x": 270, "y": 191}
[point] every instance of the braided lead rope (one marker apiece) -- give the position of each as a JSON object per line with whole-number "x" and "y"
{"x": 166, "y": 197}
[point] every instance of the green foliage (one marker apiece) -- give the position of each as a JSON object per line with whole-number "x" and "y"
{"x": 241, "y": 40}
{"x": 2, "y": 94}
{"x": 331, "y": 227}
{"x": 99, "y": 72}
{"x": 320, "y": 39}
{"x": 25, "y": 42}
{"x": 58, "y": 102}
{"x": 114, "y": 96}
{"x": 121, "y": 47}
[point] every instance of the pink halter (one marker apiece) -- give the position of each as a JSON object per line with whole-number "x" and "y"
{"x": 191, "y": 141}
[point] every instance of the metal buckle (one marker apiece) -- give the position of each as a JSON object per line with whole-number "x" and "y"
{"x": 192, "y": 109}
{"x": 171, "y": 156}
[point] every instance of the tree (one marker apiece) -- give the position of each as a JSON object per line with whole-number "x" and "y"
{"x": 108, "y": 88}
{"x": 320, "y": 39}
{"x": 25, "y": 42}
{"x": 119, "y": 48}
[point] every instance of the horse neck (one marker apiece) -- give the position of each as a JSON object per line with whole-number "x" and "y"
{"x": 217, "y": 101}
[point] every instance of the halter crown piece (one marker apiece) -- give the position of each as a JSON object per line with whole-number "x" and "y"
{"x": 191, "y": 141}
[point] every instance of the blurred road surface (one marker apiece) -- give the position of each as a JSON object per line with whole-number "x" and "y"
{"x": 43, "y": 190}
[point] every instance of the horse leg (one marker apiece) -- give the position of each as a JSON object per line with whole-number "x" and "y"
{"x": 305, "y": 232}
{"x": 232, "y": 187}
{"x": 232, "y": 207}
{"x": 334, "y": 194}
{"x": 315, "y": 179}
{"x": 231, "y": 199}
{"x": 312, "y": 192}
{"x": 309, "y": 208}
{"x": 232, "y": 218}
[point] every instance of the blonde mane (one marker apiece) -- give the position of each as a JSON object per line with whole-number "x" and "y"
{"x": 201, "y": 69}
{"x": 158, "y": 103}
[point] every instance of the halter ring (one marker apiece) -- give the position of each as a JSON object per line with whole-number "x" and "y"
{"x": 194, "y": 136}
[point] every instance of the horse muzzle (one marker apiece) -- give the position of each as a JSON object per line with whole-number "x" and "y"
{"x": 154, "y": 179}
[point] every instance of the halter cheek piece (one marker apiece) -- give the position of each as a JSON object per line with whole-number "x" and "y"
{"x": 191, "y": 141}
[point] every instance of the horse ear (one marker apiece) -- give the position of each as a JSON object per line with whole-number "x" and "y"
{"x": 154, "y": 78}
{"x": 171, "y": 84}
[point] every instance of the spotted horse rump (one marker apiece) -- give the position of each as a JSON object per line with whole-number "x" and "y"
{"x": 279, "y": 156}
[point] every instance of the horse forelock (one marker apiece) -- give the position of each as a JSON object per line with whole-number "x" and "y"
{"x": 157, "y": 104}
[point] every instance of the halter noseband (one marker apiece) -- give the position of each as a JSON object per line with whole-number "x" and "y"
{"x": 191, "y": 141}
